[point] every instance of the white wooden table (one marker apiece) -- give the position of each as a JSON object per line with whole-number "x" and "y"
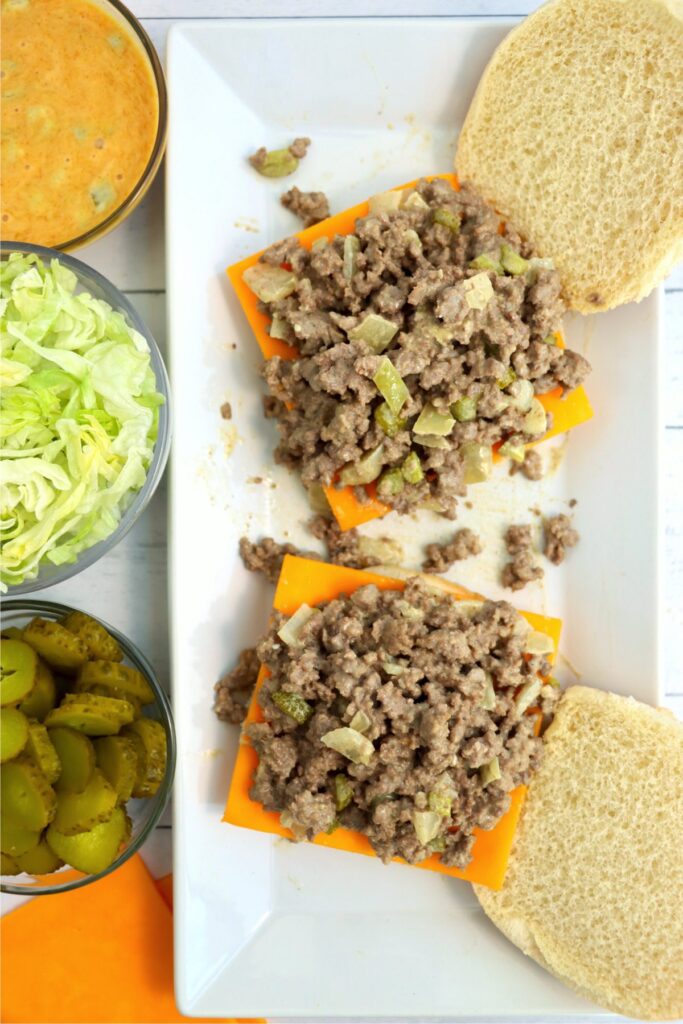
{"x": 129, "y": 587}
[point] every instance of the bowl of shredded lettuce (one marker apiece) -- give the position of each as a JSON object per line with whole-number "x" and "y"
{"x": 84, "y": 416}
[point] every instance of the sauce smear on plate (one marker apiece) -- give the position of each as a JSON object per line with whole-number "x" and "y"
{"x": 79, "y": 118}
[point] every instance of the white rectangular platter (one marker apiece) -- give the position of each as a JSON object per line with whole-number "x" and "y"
{"x": 265, "y": 928}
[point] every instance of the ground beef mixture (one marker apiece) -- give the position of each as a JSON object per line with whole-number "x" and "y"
{"x": 531, "y": 468}
{"x": 440, "y": 557}
{"x": 472, "y": 315}
{"x": 559, "y": 535}
{"x": 311, "y": 207}
{"x": 438, "y": 738}
{"x": 299, "y": 147}
{"x": 523, "y": 568}
{"x": 233, "y": 691}
{"x": 226, "y": 411}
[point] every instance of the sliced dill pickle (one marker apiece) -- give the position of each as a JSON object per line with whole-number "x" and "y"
{"x": 77, "y": 758}
{"x": 27, "y": 798}
{"x": 18, "y": 670}
{"x": 150, "y": 742}
{"x": 100, "y": 643}
{"x": 92, "y": 851}
{"x": 115, "y": 680}
{"x": 8, "y": 865}
{"x": 56, "y": 645}
{"x": 15, "y": 840}
{"x": 13, "y": 733}
{"x": 117, "y": 759}
{"x": 43, "y": 696}
{"x": 40, "y": 748}
{"x": 79, "y": 812}
{"x": 41, "y": 860}
{"x": 92, "y": 714}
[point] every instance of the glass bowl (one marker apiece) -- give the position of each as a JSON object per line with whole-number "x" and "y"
{"x": 144, "y": 813}
{"x": 133, "y": 30}
{"x": 93, "y": 282}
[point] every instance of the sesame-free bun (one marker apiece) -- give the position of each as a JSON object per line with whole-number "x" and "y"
{"x": 575, "y": 134}
{"x": 594, "y": 885}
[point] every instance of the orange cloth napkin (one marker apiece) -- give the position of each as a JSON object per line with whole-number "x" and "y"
{"x": 102, "y": 954}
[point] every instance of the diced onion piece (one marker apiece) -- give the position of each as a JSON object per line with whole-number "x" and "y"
{"x": 539, "y": 643}
{"x": 317, "y": 499}
{"x": 447, "y": 218}
{"x": 351, "y": 249}
{"x": 509, "y": 450}
{"x": 431, "y": 441}
{"x": 431, "y": 421}
{"x": 469, "y": 607}
{"x": 521, "y": 395}
{"x": 478, "y": 291}
{"x": 478, "y": 459}
{"x": 528, "y": 695}
{"x": 367, "y": 469}
{"x": 489, "y": 772}
{"x": 375, "y": 331}
{"x": 412, "y": 200}
{"x": 390, "y": 482}
{"x": 270, "y": 284}
{"x": 488, "y": 701}
{"x": 535, "y": 264}
{"x": 384, "y": 202}
{"x": 391, "y": 386}
{"x": 382, "y": 548}
{"x": 512, "y": 262}
{"x": 392, "y": 669}
{"x": 411, "y": 237}
{"x": 412, "y": 468}
{"x": 427, "y": 326}
{"x": 535, "y": 421}
{"x": 427, "y": 825}
{"x": 350, "y": 743}
{"x": 409, "y": 611}
{"x": 279, "y": 328}
{"x": 320, "y": 244}
{"x": 360, "y": 722}
{"x": 290, "y": 631}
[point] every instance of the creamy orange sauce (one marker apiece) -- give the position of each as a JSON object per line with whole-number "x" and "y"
{"x": 79, "y": 118}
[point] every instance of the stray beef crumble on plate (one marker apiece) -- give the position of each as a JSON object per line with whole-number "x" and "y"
{"x": 403, "y": 715}
{"x": 423, "y": 340}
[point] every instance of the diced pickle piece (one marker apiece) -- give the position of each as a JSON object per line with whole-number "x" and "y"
{"x": 150, "y": 742}
{"x": 376, "y": 331}
{"x": 390, "y": 482}
{"x": 92, "y": 851}
{"x": 487, "y": 262}
{"x": 464, "y": 409}
{"x": 447, "y": 218}
{"x": 43, "y": 696}
{"x": 343, "y": 792}
{"x": 412, "y": 468}
{"x": 8, "y": 866}
{"x": 432, "y": 421}
{"x": 276, "y": 163}
{"x": 56, "y": 645}
{"x": 77, "y": 758}
{"x": 27, "y": 798}
{"x": 113, "y": 680}
{"x": 78, "y": 812}
{"x": 92, "y": 714}
{"x": 16, "y": 840}
{"x": 270, "y": 284}
{"x": 351, "y": 250}
{"x": 387, "y": 421}
{"x": 41, "y": 860}
{"x": 117, "y": 759}
{"x": 512, "y": 262}
{"x": 293, "y": 705}
{"x": 40, "y": 748}
{"x": 510, "y": 450}
{"x": 100, "y": 643}
{"x": 508, "y": 378}
{"x": 391, "y": 385}
{"x": 367, "y": 469}
{"x": 18, "y": 671}
{"x": 13, "y": 733}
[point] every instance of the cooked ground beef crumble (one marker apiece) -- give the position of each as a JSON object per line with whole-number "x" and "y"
{"x": 427, "y": 691}
{"x": 470, "y": 316}
{"x": 311, "y": 207}
{"x": 531, "y": 468}
{"x": 440, "y": 557}
{"x": 523, "y": 568}
{"x": 233, "y": 692}
{"x": 559, "y": 535}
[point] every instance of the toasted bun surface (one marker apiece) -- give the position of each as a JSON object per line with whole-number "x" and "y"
{"x": 575, "y": 134}
{"x": 594, "y": 886}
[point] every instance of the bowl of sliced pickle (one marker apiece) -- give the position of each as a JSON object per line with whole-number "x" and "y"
{"x": 87, "y": 748}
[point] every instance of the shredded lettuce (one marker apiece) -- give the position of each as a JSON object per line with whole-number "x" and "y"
{"x": 79, "y": 414}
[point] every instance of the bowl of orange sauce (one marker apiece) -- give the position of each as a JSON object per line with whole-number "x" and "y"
{"x": 83, "y": 119}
